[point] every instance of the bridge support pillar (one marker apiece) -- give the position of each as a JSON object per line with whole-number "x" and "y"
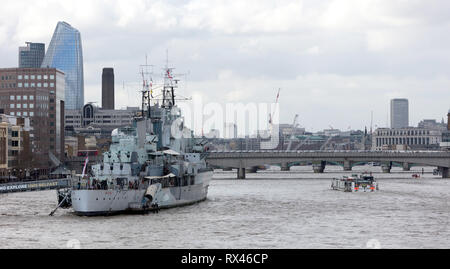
{"x": 386, "y": 167}
{"x": 285, "y": 167}
{"x": 319, "y": 167}
{"x": 406, "y": 167}
{"x": 445, "y": 172}
{"x": 252, "y": 169}
{"x": 347, "y": 166}
{"x": 241, "y": 173}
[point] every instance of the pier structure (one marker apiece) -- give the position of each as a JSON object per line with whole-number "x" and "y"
{"x": 37, "y": 185}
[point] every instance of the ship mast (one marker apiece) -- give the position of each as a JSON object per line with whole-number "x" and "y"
{"x": 167, "y": 95}
{"x": 169, "y": 85}
{"x": 147, "y": 84}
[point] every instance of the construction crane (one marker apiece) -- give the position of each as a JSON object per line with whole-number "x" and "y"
{"x": 273, "y": 113}
{"x": 274, "y": 141}
{"x": 294, "y": 126}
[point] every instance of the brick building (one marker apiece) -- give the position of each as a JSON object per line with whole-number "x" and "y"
{"x": 37, "y": 93}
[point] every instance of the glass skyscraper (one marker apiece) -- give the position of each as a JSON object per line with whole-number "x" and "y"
{"x": 31, "y": 55}
{"x": 65, "y": 53}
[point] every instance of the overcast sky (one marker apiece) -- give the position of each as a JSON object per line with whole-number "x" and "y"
{"x": 335, "y": 61}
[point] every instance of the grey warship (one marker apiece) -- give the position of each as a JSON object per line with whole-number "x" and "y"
{"x": 154, "y": 164}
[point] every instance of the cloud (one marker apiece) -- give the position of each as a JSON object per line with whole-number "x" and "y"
{"x": 328, "y": 57}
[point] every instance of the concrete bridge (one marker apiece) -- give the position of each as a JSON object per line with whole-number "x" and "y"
{"x": 248, "y": 159}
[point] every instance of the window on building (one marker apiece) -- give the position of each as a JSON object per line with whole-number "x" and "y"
{"x": 45, "y": 84}
{"x": 19, "y": 114}
{"x": 11, "y": 105}
{"x": 31, "y": 97}
{"x": 39, "y": 77}
{"x": 45, "y": 77}
{"x": 25, "y": 97}
{"x": 11, "y": 97}
{"x": 25, "y": 105}
{"x": 31, "y": 113}
{"x": 52, "y": 84}
{"x": 19, "y": 97}
{"x": 11, "y": 113}
{"x": 26, "y": 77}
{"x": 15, "y": 134}
{"x": 18, "y": 106}
{"x": 19, "y": 84}
{"x": 26, "y": 84}
{"x": 52, "y": 76}
{"x": 31, "y": 105}
{"x": 19, "y": 77}
{"x": 25, "y": 113}
{"x": 32, "y": 77}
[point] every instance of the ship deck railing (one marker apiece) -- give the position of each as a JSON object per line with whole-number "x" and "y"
{"x": 85, "y": 184}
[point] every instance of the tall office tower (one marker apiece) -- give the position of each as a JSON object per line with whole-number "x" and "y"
{"x": 65, "y": 53}
{"x": 399, "y": 113}
{"x": 108, "y": 88}
{"x": 31, "y": 55}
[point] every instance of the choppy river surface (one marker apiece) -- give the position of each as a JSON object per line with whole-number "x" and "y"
{"x": 270, "y": 209}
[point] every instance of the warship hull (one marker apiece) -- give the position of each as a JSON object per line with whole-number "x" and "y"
{"x": 109, "y": 202}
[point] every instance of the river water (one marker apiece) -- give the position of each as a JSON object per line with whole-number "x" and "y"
{"x": 270, "y": 209}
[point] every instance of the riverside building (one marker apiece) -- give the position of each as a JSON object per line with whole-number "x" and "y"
{"x": 405, "y": 138}
{"x": 38, "y": 94}
{"x": 93, "y": 120}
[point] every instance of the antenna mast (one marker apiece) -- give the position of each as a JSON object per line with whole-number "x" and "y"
{"x": 147, "y": 85}
{"x": 170, "y": 83}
